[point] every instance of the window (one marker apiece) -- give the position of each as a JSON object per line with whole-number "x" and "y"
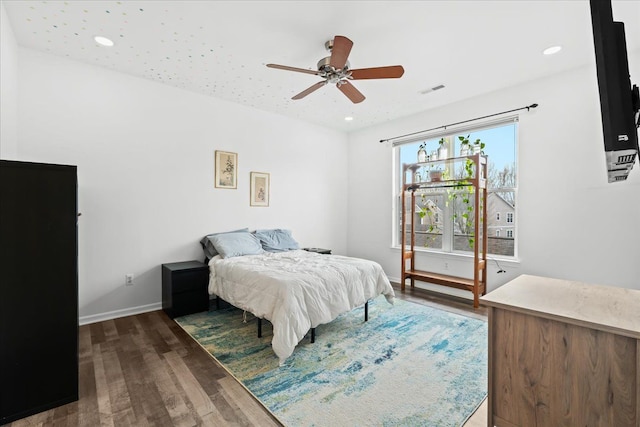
{"x": 439, "y": 223}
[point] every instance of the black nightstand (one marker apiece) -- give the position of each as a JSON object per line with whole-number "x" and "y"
{"x": 184, "y": 288}
{"x": 318, "y": 250}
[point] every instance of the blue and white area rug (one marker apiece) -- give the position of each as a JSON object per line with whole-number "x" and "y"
{"x": 409, "y": 365}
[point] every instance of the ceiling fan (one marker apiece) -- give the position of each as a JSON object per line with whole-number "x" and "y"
{"x": 335, "y": 69}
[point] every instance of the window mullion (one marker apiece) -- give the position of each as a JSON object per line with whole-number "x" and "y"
{"x": 447, "y": 224}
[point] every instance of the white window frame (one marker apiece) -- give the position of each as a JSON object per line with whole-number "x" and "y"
{"x": 447, "y": 228}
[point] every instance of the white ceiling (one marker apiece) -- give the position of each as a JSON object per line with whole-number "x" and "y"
{"x": 220, "y": 48}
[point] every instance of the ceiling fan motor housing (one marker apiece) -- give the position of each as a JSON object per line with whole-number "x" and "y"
{"x": 324, "y": 66}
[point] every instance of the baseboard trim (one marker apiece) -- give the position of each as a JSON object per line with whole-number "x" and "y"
{"x": 110, "y": 315}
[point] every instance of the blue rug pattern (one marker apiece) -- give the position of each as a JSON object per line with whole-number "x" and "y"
{"x": 409, "y": 365}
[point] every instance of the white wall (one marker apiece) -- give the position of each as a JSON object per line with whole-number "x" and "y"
{"x": 8, "y": 89}
{"x": 571, "y": 223}
{"x": 145, "y": 157}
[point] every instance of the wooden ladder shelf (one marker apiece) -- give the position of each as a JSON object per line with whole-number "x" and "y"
{"x": 477, "y": 284}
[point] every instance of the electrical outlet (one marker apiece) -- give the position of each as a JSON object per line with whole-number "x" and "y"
{"x": 446, "y": 265}
{"x": 128, "y": 279}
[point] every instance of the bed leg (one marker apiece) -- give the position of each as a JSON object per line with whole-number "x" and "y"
{"x": 366, "y": 311}
{"x": 313, "y": 335}
{"x": 259, "y": 327}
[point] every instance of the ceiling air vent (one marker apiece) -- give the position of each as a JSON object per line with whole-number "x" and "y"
{"x": 432, "y": 89}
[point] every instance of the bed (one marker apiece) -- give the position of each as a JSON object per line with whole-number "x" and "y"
{"x": 294, "y": 289}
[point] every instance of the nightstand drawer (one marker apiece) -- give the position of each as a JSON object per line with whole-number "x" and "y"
{"x": 184, "y": 288}
{"x": 189, "y": 280}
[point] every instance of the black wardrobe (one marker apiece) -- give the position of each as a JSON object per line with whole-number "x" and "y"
{"x": 38, "y": 288}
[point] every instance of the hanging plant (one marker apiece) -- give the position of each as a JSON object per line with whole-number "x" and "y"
{"x": 463, "y": 192}
{"x": 428, "y": 210}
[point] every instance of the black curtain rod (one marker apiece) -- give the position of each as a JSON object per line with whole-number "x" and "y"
{"x": 528, "y": 107}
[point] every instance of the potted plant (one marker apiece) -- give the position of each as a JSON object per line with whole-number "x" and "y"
{"x": 442, "y": 150}
{"x": 478, "y": 146}
{"x": 465, "y": 148}
{"x": 422, "y": 152}
{"x": 435, "y": 174}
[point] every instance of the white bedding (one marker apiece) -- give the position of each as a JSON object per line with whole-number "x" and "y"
{"x": 296, "y": 290}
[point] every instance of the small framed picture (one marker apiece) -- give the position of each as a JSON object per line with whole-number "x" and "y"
{"x": 226, "y": 169}
{"x": 259, "y": 189}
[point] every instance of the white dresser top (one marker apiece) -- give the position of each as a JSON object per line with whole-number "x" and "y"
{"x": 605, "y": 308}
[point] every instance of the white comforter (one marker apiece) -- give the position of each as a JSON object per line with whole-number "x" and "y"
{"x": 296, "y": 290}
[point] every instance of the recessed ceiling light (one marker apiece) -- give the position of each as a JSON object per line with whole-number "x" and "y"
{"x": 348, "y": 118}
{"x": 551, "y": 50}
{"x": 103, "y": 41}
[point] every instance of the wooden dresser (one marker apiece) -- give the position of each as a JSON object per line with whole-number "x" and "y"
{"x": 563, "y": 353}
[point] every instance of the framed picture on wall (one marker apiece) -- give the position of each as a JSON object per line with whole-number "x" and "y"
{"x": 259, "y": 189}
{"x": 226, "y": 169}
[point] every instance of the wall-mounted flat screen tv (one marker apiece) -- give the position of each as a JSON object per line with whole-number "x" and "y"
{"x": 619, "y": 102}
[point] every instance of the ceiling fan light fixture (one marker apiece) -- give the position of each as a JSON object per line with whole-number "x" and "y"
{"x": 551, "y": 50}
{"x": 103, "y": 41}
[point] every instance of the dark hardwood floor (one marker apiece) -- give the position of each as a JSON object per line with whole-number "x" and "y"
{"x": 144, "y": 370}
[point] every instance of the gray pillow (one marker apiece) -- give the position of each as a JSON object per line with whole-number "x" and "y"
{"x": 236, "y": 244}
{"x": 277, "y": 240}
{"x": 208, "y": 248}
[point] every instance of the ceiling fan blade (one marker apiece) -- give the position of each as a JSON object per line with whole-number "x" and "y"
{"x": 309, "y": 90}
{"x": 391, "y": 72}
{"x": 350, "y": 91}
{"x": 299, "y": 70}
{"x": 340, "y": 52}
